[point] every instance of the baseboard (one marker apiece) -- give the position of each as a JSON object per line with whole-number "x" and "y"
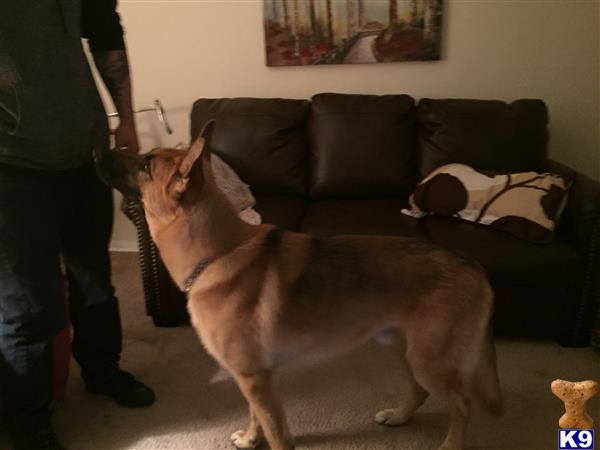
{"x": 123, "y": 246}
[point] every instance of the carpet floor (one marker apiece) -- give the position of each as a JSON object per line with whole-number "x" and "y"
{"x": 330, "y": 406}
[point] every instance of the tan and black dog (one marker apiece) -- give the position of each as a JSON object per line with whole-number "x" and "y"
{"x": 260, "y": 297}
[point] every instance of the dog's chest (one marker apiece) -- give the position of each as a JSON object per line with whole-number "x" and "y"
{"x": 227, "y": 330}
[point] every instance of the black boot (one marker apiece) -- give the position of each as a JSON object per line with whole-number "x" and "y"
{"x": 122, "y": 387}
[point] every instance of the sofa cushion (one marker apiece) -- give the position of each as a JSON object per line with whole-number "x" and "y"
{"x": 360, "y": 216}
{"x": 527, "y": 204}
{"x": 484, "y": 134}
{"x": 362, "y": 146}
{"x": 500, "y": 252}
{"x": 236, "y": 191}
{"x": 263, "y": 140}
{"x": 530, "y": 281}
{"x": 284, "y": 211}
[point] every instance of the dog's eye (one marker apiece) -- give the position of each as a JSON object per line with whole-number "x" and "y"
{"x": 147, "y": 166}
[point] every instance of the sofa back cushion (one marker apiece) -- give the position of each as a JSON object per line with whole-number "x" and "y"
{"x": 484, "y": 134}
{"x": 362, "y": 146}
{"x": 263, "y": 140}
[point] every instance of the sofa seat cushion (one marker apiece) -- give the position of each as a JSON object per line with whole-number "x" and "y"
{"x": 500, "y": 252}
{"x": 281, "y": 210}
{"x": 360, "y": 216}
{"x": 530, "y": 281}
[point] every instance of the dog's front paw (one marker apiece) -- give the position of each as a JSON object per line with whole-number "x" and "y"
{"x": 392, "y": 417}
{"x": 242, "y": 439}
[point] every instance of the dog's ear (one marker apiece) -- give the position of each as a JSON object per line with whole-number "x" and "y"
{"x": 200, "y": 147}
{"x": 199, "y": 150}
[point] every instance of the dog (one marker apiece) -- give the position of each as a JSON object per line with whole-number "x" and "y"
{"x": 260, "y": 297}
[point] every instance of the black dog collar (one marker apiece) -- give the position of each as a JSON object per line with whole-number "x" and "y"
{"x": 189, "y": 281}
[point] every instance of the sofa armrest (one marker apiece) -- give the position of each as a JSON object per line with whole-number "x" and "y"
{"x": 165, "y": 303}
{"x": 583, "y": 208}
{"x": 581, "y": 225}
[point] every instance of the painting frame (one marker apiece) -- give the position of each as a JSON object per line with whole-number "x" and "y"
{"x": 315, "y": 32}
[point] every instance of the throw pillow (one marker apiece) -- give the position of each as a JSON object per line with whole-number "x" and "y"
{"x": 235, "y": 190}
{"x": 527, "y": 205}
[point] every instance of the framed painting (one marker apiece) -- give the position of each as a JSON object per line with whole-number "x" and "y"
{"x": 302, "y": 32}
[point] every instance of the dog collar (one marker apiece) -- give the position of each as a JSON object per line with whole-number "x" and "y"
{"x": 189, "y": 281}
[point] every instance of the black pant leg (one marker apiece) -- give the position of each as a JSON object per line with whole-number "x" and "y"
{"x": 31, "y": 296}
{"x": 85, "y": 228}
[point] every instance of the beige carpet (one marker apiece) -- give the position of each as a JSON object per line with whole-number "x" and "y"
{"x": 329, "y": 407}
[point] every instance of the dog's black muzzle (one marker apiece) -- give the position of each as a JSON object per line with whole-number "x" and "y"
{"x": 119, "y": 169}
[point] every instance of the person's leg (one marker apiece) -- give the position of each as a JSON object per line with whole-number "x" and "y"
{"x": 86, "y": 215}
{"x": 31, "y": 300}
{"x": 85, "y": 221}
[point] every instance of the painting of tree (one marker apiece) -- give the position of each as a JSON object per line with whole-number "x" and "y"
{"x": 302, "y": 32}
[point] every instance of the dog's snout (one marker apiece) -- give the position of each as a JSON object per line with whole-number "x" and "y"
{"x": 118, "y": 169}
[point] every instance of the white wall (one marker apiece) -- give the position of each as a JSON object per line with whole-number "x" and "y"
{"x": 501, "y": 49}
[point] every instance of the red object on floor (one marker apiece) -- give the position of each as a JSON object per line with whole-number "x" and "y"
{"x": 62, "y": 360}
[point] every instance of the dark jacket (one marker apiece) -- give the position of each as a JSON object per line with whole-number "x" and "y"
{"x": 51, "y": 115}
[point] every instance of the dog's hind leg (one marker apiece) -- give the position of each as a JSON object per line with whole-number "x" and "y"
{"x": 257, "y": 390}
{"x": 444, "y": 372}
{"x": 460, "y": 409}
{"x": 415, "y": 397}
{"x": 252, "y": 436}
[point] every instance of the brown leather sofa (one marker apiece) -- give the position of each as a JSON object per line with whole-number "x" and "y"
{"x": 342, "y": 164}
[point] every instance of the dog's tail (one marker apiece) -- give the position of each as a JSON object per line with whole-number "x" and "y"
{"x": 486, "y": 384}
